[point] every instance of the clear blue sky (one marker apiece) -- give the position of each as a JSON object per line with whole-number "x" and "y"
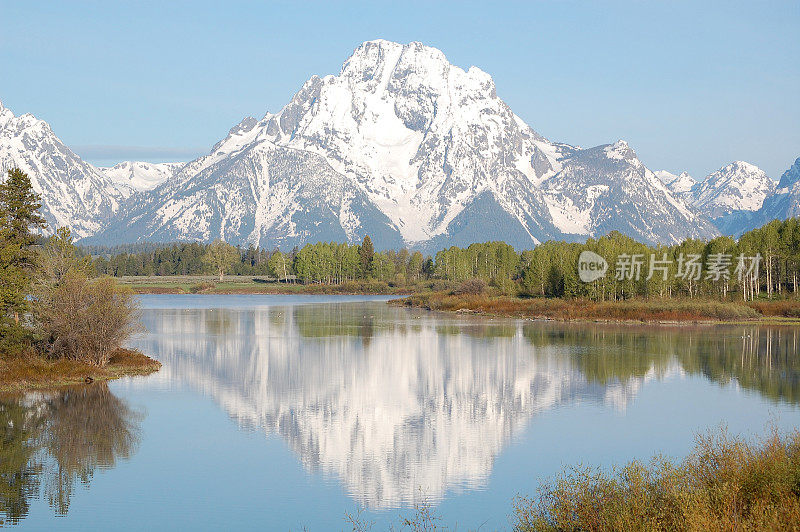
{"x": 691, "y": 85}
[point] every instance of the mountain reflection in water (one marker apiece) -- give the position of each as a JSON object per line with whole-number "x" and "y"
{"x": 401, "y": 405}
{"x": 50, "y": 441}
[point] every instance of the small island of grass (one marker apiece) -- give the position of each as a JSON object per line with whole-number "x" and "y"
{"x": 34, "y": 372}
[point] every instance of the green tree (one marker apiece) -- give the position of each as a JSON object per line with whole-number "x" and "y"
{"x": 19, "y": 218}
{"x": 220, "y": 257}
{"x": 367, "y": 254}
{"x": 278, "y": 265}
{"x": 414, "y": 268}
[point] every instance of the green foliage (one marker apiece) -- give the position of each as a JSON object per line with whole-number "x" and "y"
{"x": 334, "y": 263}
{"x": 220, "y": 256}
{"x": 496, "y": 263}
{"x": 174, "y": 259}
{"x": 19, "y": 218}
{"x": 367, "y": 256}
{"x": 551, "y": 269}
{"x": 279, "y": 265}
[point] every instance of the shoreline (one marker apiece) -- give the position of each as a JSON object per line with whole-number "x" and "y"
{"x": 631, "y": 312}
{"x": 309, "y": 291}
{"x": 32, "y": 373}
{"x": 232, "y": 285}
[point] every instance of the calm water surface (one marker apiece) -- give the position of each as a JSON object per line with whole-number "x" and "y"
{"x": 285, "y": 412}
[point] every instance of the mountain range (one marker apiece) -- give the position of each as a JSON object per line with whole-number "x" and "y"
{"x": 400, "y": 145}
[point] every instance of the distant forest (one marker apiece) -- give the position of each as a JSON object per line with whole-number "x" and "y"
{"x": 762, "y": 262}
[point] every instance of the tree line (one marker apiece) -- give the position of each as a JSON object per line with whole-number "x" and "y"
{"x": 719, "y": 268}
{"x": 762, "y": 262}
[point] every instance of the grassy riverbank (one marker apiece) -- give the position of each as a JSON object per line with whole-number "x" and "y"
{"x": 726, "y": 483}
{"x": 30, "y": 372}
{"x": 640, "y": 310}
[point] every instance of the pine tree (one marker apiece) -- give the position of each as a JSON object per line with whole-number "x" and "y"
{"x": 19, "y": 218}
{"x": 367, "y": 253}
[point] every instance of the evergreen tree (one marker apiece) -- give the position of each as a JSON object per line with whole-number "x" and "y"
{"x": 19, "y": 218}
{"x": 367, "y": 253}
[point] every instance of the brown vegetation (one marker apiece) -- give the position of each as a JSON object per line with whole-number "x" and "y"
{"x": 31, "y": 371}
{"x": 471, "y": 287}
{"x": 726, "y": 483}
{"x": 88, "y": 320}
{"x": 780, "y": 308}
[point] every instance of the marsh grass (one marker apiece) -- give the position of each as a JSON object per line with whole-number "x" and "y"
{"x": 726, "y": 483}
{"x": 27, "y": 371}
{"x": 787, "y": 308}
{"x": 579, "y": 309}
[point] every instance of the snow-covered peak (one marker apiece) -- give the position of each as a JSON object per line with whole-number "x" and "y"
{"x": 683, "y": 183}
{"x": 5, "y": 115}
{"x": 411, "y": 149}
{"x": 140, "y": 176}
{"x": 790, "y": 176}
{"x": 665, "y": 176}
{"x": 678, "y": 184}
{"x": 739, "y": 186}
{"x": 418, "y": 134}
{"x": 620, "y": 150}
{"x": 74, "y": 193}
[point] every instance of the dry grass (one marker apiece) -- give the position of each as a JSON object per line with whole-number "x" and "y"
{"x": 567, "y": 310}
{"x": 782, "y": 309}
{"x": 727, "y": 483}
{"x": 30, "y": 371}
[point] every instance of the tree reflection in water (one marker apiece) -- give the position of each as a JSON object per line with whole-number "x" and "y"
{"x": 757, "y": 357}
{"x": 50, "y": 441}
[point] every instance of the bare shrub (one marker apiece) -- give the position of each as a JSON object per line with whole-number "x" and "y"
{"x": 86, "y": 320}
{"x": 471, "y": 287}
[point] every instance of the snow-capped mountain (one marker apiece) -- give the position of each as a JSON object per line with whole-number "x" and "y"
{"x": 136, "y": 176}
{"x": 74, "y": 193}
{"x": 412, "y": 150}
{"x": 731, "y": 195}
{"x": 680, "y": 185}
{"x": 790, "y": 176}
{"x": 783, "y": 203}
{"x": 607, "y": 188}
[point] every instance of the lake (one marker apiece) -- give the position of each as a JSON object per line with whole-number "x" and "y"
{"x": 286, "y": 412}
